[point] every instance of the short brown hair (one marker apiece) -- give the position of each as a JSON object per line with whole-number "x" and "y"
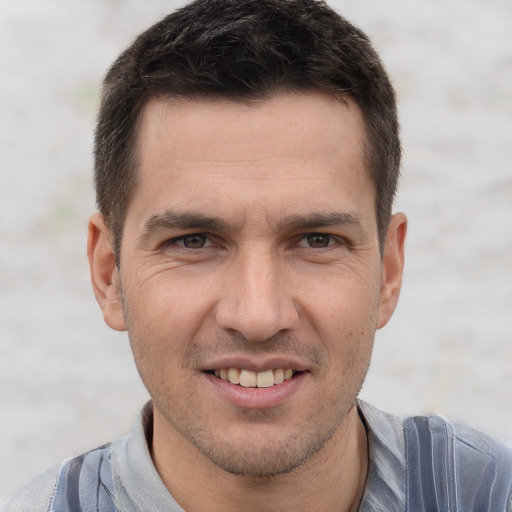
{"x": 243, "y": 50}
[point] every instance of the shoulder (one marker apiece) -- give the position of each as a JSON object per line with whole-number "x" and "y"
{"x": 456, "y": 464}
{"x": 435, "y": 438}
{"x": 85, "y": 480}
{"x": 108, "y": 478}
{"x": 430, "y": 463}
{"x": 35, "y": 496}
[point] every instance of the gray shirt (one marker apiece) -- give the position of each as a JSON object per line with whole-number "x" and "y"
{"x": 418, "y": 464}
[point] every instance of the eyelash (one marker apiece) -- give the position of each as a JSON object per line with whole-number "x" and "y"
{"x": 309, "y": 240}
{"x": 332, "y": 240}
{"x": 177, "y": 240}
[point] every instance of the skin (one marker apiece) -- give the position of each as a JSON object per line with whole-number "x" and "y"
{"x": 284, "y": 271}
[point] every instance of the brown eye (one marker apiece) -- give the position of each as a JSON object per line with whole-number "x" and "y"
{"x": 318, "y": 240}
{"x": 196, "y": 241}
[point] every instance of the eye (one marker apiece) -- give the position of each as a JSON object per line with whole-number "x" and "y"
{"x": 318, "y": 240}
{"x": 194, "y": 241}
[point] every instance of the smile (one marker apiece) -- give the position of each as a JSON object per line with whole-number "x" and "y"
{"x": 253, "y": 379}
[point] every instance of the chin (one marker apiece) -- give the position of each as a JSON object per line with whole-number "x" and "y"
{"x": 265, "y": 454}
{"x": 265, "y": 463}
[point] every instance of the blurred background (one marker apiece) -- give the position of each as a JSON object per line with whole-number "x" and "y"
{"x": 68, "y": 383}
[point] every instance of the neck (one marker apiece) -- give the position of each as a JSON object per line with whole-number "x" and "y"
{"x": 332, "y": 480}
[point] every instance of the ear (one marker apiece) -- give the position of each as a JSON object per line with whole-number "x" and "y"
{"x": 392, "y": 268}
{"x": 104, "y": 272}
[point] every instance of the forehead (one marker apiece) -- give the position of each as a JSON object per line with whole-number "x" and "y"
{"x": 185, "y": 126}
{"x": 288, "y": 150}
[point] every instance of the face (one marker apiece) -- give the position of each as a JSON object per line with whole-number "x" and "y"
{"x": 250, "y": 255}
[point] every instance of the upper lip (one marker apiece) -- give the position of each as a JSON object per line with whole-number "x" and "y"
{"x": 256, "y": 364}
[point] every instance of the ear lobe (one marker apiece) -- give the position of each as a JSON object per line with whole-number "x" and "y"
{"x": 392, "y": 268}
{"x": 104, "y": 272}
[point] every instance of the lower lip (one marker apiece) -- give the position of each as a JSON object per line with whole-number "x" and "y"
{"x": 257, "y": 398}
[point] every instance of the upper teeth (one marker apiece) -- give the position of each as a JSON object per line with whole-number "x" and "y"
{"x": 250, "y": 379}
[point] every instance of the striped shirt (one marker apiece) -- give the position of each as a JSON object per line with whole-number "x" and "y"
{"x": 417, "y": 464}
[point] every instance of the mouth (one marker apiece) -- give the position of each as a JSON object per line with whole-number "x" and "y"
{"x": 254, "y": 379}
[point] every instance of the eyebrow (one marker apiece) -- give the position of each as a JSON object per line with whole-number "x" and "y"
{"x": 176, "y": 220}
{"x": 172, "y": 219}
{"x": 320, "y": 220}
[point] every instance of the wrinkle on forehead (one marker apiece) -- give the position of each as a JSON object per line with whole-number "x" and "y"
{"x": 300, "y": 126}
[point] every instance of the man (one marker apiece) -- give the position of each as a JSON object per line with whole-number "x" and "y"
{"x": 247, "y": 157}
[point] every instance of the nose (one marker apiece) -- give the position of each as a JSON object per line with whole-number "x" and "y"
{"x": 255, "y": 301}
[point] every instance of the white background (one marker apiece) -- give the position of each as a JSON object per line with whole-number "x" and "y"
{"x": 67, "y": 383}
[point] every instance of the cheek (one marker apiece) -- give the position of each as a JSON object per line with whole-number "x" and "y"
{"x": 162, "y": 318}
{"x": 166, "y": 302}
{"x": 161, "y": 328}
{"x": 344, "y": 303}
{"x": 344, "y": 316}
